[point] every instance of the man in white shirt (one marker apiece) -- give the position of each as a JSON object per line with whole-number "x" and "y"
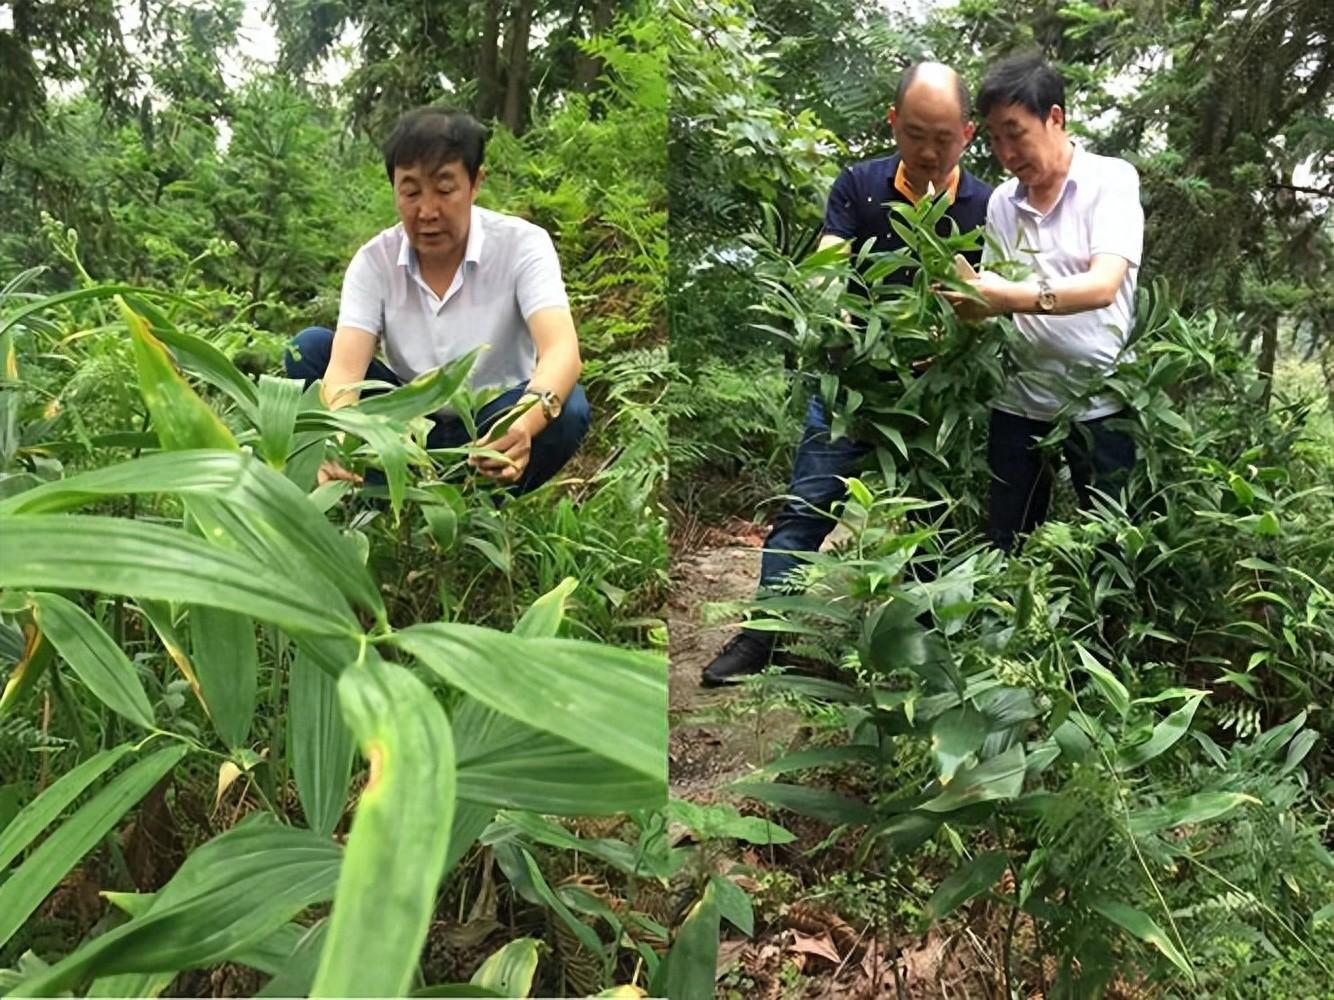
{"x": 451, "y": 277}
{"x": 1075, "y": 218}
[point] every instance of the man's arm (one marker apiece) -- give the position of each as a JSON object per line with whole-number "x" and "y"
{"x": 557, "y": 370}
{"x": 349, "y": 360}
{"x": 1075, "y": 293}
{"x": 558, "y": 361}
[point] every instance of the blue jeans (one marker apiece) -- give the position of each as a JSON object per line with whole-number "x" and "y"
{"x": 804, "y": 523}
{"x": 307, "y": 357}
{"x": 1099, "y": 457}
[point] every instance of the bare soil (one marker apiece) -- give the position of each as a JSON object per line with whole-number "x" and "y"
{"x": 714, "y": 739}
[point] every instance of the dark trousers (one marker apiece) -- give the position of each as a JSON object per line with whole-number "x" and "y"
{"x": 804, "y": 522}
{"x": 1099, "y": 458}
{"x": 307, "y": 358}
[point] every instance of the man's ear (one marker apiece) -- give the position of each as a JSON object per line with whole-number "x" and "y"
{"x": 969, "y": 130}
{"x": 892, "y": 116}
{"x": 1056, "y": 116}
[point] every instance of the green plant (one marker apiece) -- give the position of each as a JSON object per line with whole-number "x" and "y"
{"x": 452, "y": 719}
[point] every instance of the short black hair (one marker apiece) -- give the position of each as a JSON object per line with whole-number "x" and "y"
{"x": 435, "y": 136}
{"x": 909, "y": 77}
{"x": 1026, "y": 79}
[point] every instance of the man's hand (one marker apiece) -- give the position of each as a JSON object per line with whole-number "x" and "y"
{"x": 331, "y": 471}
{"x": 516, "y": 444}
{"x": 997, "y": 293}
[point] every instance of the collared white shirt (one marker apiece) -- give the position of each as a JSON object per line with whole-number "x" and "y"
{"x": 1097, "y": 212}
{"x": 510, "y": 270}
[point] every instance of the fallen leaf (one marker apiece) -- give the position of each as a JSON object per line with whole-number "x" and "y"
{"x": 821, "y": 946}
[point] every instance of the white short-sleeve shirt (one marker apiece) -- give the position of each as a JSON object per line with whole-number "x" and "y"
{"x": 1097, "y": 212}
{"x": 509, "y": 271}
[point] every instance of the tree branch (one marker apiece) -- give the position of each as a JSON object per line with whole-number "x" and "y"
{"x": 1302, "y": 189}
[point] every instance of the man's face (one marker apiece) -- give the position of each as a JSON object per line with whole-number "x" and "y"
{"x": 931, "y": 134}
{"x": 436, "y": 207}
{"x": 1028, "y": 146}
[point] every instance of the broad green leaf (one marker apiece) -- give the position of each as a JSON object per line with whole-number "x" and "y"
{"x": 397, "y": 845}
{"x": 230, "y": 894}
{"x": 131, "y": 984}
{"x": 272, "y": 953}
{"x": 818, "y": 803}
{"x": 197, "y": 355}
{"x": 689, "y": 970}
{"x": 266, "y": 514}
{"x": 507, "y": 764}
{"x": 226, "y": 662}
{"x": 822, "y": 757}
{"x": 509, "y": 971}
{"x": 104, "y": 669}
{"x": 610, "y": 701}
{"x": 386, "y": 438}
{"x": 965, "y": 882}
{"x": 296, "y": 975}
{"x": 425, "y": 394}
{"x": 279, "y": 400}
{"x": 1112, "y": 689}
{"x": 1163, "y": 737}
{"x": 526, "y": 878}
{"x": 955, "y": 736}
{"x": 1199, "y": 808}
{"x": 534, "y": 829}
{"x": 733, "y": 904}
{"x": 721, "y": 820}
{"x": 1001, "y": 777}
{"x": 320, "y": 745}
{"x": 542, "y": 620}
{"x": 12, "y": 318}
{"x": 29, "y": 884}
{"x": 180, "y": 418}
{"x": 139, "y": 559}
{"x": 1142, "y": 926}
{"x": 470, "y": 821}
{"x": 38, "y": 814}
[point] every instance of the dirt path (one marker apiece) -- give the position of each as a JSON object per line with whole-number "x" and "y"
{"x": 716, "y": 737}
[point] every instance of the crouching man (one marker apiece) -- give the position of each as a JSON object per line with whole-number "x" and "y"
{"x": 449, "y": 278}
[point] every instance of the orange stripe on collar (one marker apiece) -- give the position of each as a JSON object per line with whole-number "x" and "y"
{"x": 904, "y": 188}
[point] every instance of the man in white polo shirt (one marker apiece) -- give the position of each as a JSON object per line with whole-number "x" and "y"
{"x": 1075, "y": 218}
{"x": 451, "y": 277}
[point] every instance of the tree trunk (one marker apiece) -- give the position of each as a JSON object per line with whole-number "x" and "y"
{"x": 588, "y": 68}
{"x": 488, "y": 62}
{"x": 516, "y": 75}
{"x": 1268, "y": 355}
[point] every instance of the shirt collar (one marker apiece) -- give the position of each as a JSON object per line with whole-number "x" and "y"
{"x": 1079, "y": 164}
{"x": 904, "y": 188}
{"x": 472, "y": 253}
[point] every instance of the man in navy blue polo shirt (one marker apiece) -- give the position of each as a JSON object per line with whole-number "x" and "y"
{"x": 931, "y": 118}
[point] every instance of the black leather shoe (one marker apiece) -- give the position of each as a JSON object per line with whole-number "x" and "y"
{"x": 744, "y": 654}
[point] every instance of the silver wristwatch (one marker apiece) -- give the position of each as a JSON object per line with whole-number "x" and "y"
{"x": 1046, "y": 297}
{"x": 549, "y": 400}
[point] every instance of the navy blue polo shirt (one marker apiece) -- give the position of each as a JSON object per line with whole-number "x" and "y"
{"x": 858, "y": 209}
